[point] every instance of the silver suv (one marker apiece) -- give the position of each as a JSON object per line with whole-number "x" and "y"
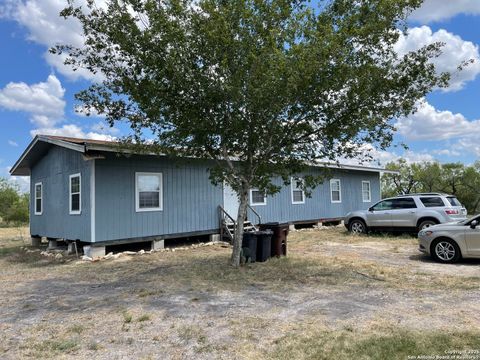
{"x": 412, "y": 212}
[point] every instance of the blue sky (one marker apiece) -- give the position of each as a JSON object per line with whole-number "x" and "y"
{"x": 37, "y": 90}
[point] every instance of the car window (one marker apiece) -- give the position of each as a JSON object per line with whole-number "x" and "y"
{"x": 383, "y": 205}
{"x": 432, "y": 201}
{"x": 404, "y": 203}
{"x": 453, "y": 201}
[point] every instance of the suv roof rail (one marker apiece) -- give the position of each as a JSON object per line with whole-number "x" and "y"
{"x": 423, "y": 194}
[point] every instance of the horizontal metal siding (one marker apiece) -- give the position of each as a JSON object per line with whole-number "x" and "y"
{"x": 53, "y": 170}
{"x": 279, "y": 207}
{"x": 190, "y": 201}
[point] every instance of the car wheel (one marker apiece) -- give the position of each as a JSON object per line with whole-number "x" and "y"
{"x": 358, "y": 227}
{"x": 446, "y": 251}
{"x": 426, "y": 224}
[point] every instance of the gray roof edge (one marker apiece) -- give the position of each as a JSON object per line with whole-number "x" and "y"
{"x": 63, "y": 143}
{"x": 97, "y": 147}
{"x": 83, "y": 148}
{"x": 46, "y": 139}
{"x": 359, "y": 168}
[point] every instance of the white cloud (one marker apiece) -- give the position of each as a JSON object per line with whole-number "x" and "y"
{"x": 71, "y": 130}
{"x": 82, "y": 110}
{"x": 7, "y": 8}
{"x": 429, "y": 123}
{"x": 45, "y": 27}
{"x": 45, "y": 103}
{"x": 23, "y": 182}
{"x": 100, "y": 127}
{"x": 437, "y": 10}
{"x": 44, "y": 100}
{"x": 415, "y": 157}
{"x": 455, "y": 51}
{"x": 468, "y": 144}
{"x": 12, "y": 143}
{"x": 446, "y": 152}
{"x": 103, "y": 128}
{"x": 382, "y": 157}
{"x": 57, "y": 61}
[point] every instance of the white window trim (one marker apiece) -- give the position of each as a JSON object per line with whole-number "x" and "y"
{"x": 160, "y": 193}
{"x": 369, "y": 192}
{"x": 339, "y": 191}
{"x": 258, "y": 203}
{"x": 292, "y": 182}
{"x": 79, "y": 211}
{"x": 36, "y": 198}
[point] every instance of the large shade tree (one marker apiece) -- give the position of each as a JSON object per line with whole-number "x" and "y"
{"x": 261, "y": 87}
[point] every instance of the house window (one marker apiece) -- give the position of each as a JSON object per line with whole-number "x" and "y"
{"x": 148, "y": 191}
{"x": 335, "y": 191}
{"x": 75, "y": 194}
{"x": 38, "y": 198}
{"x": 298, "y": 195}
{"x": 366, "y": 192}
{"x": 257, "y": 197}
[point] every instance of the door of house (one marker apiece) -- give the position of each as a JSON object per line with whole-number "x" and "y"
{"x": 230, "y": 201}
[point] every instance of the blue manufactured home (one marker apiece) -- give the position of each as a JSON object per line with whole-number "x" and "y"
{"x": 86, "y": 191}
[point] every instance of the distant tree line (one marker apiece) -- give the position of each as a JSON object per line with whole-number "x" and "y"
{"x": 14, "y": 206}
{"x": 452, "y": 178}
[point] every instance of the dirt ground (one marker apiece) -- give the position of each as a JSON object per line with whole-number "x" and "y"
{"x": 334, "y": 296}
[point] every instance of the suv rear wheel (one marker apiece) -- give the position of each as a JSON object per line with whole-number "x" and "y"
{"x": 426, "y": 224}
{"x": 357, "y": 226}
{"x": 446, "y": 251}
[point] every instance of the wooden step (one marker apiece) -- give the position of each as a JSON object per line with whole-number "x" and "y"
{"x": 246, "y": 228}
{"x": 246, "y": 223}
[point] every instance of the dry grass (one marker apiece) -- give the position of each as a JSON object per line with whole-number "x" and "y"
{"x": 13, "y": 234}
{"x": 13, "y": 238}
{"x": 388, "y": 343}
{"x": 334, "y": 296}
{"x": 338, "y": 234}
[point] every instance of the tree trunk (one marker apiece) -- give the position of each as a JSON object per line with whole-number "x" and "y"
{"x": 475, "y": 207}
{"x": 238, "y": 235}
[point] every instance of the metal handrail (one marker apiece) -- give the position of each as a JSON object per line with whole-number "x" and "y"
{"x": 225, "y": 213}
{"x": 256, "y": 213}
{"x": 221, "y": 215}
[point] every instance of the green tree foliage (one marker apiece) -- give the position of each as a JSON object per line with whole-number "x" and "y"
{"x": 404, "y": 182}
{"x": 452, "y": 178}
{"x": 8, "y": 196}
{"x": 14, "y": 207}
{"x": 261, "y": 87}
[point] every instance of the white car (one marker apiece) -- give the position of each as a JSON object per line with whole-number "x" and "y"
{"x": 448, "y": 243}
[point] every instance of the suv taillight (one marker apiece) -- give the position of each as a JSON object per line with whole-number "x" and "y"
{"x": 451, "y": 212}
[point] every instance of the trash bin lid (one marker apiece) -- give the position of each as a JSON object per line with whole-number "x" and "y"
{"x": 264, "y": 232}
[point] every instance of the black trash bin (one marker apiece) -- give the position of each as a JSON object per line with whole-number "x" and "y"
{"x": 249, "y": 241}
{"x": 264, "y": 245}
{"x": 279, "y": 237}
